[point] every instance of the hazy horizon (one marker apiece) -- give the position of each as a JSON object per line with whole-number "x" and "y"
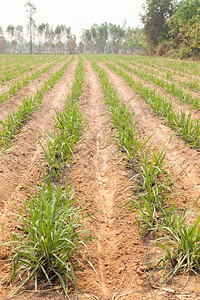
{"x": 78, "y": 15}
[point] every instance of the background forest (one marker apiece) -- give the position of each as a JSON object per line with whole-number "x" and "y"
{"x": 170, "y": 28}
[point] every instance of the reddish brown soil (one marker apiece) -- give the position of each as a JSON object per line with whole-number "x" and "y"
{"x": 102, "y": 182}
{"x": 32, "y": 69}
{"x": 19, "y": 167}
{"x": 181, "y": 160}
{"x": 28, "y": 91}
{"x": 178, "y": 104}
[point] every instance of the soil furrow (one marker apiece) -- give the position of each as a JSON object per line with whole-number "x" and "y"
{"x": 28, "y": 91}
{"x": 101, "y": 182}
{"x": 161, "y": 75}
{"x": 178, "y": 104}
{"x": 162, "y": 70}
{"x": 20, "y": 167}
{"x": 32, "y": 69}
{"x": 183, "y": 162}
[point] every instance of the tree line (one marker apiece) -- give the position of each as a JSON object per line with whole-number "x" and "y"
{"x": 41, "y": 39}
{"x": 170, "y": 27}
{"x": 111, "y": 38}
{"x": 103, "y": 38}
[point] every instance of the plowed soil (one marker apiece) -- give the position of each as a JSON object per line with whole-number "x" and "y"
{"x": 14, "y": 101}
{"x": 182, "y": 161}
{"x": 6, "y": 84}
{"x": 114, "y": 268}
{"x": 19, "y": 167}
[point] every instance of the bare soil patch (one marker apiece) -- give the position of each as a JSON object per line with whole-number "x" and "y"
{"x": 14, "y": 101}
{"x": 101, "y": 181}
{"x": 183, "y": 161}
{"x": 20, "y": 168}
{"x": 178, "y": 104}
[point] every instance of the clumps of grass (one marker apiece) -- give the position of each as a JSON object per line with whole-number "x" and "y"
{"x": 24, "y": 81}
{"x": 154, "y": 184}
{"x": 154, "y": 192}
{"x": 179, "y": 242}
{"x": 53, "y": 236}
{"x": 15, "y": 121}
{"x": 168, "y": 87}
{"x": 185, "y": 126}
{"x": 69, "y": 124}
{"x": 180, "y": 247}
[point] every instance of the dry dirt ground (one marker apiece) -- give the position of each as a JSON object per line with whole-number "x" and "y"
{"x": 101, "y": 181}
{"x": 14, "y": 101}
{"x": 19, "y": 166}
{"x": 6, "y": 84}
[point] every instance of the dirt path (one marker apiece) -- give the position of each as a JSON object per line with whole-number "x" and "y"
{"x": 20, "y": 169}
{"x": 183, "y": 162}
{"x": 14, "y": 101}
{"x": 100, "y": 180}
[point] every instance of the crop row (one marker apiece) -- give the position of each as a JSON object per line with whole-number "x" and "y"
{"x": 17, "y": 85}
{"x": 168, "y": 87}
{"x": 188, "y": 82}
{"x": 156, "y": 214}
{"x": 183, "y": 67}
{"x": 11, "y": 60}
{"x": 12, "y": 72}
{"x": 184, "y": 80}
{"x": 186, "y": 127}
{"x": 51, "y": 222}
{"x": 14, "y": 122}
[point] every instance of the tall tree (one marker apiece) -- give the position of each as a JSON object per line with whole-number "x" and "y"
{"x": 31, "y": 10}
{"x": 117, "y": 34}
{"x": 156, "y": 12}
{"x": 2, "y": 44}
{"x": 102, "y": 38}
{"x": 49, "y": 39}
{"x": 10, "y": 31}
{"x": 19, "y": 34}
{"x": 134, "y": 40}
{"x": 187, "y": 11}
{"x": 1, "y": 31}
{"x": 81, "y": 48}
{"x": 2, "y": 40}
{"x": 71, "y": 41}
{"x": 41, "y": 33}
{"x": 86, "y": 38}
{"x": 59, "y": 34}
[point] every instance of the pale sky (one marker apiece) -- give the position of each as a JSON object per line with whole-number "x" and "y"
{"x": 76, "y": 14}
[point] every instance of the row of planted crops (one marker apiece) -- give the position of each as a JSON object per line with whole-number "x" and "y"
{"x": 52, "y": 219}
